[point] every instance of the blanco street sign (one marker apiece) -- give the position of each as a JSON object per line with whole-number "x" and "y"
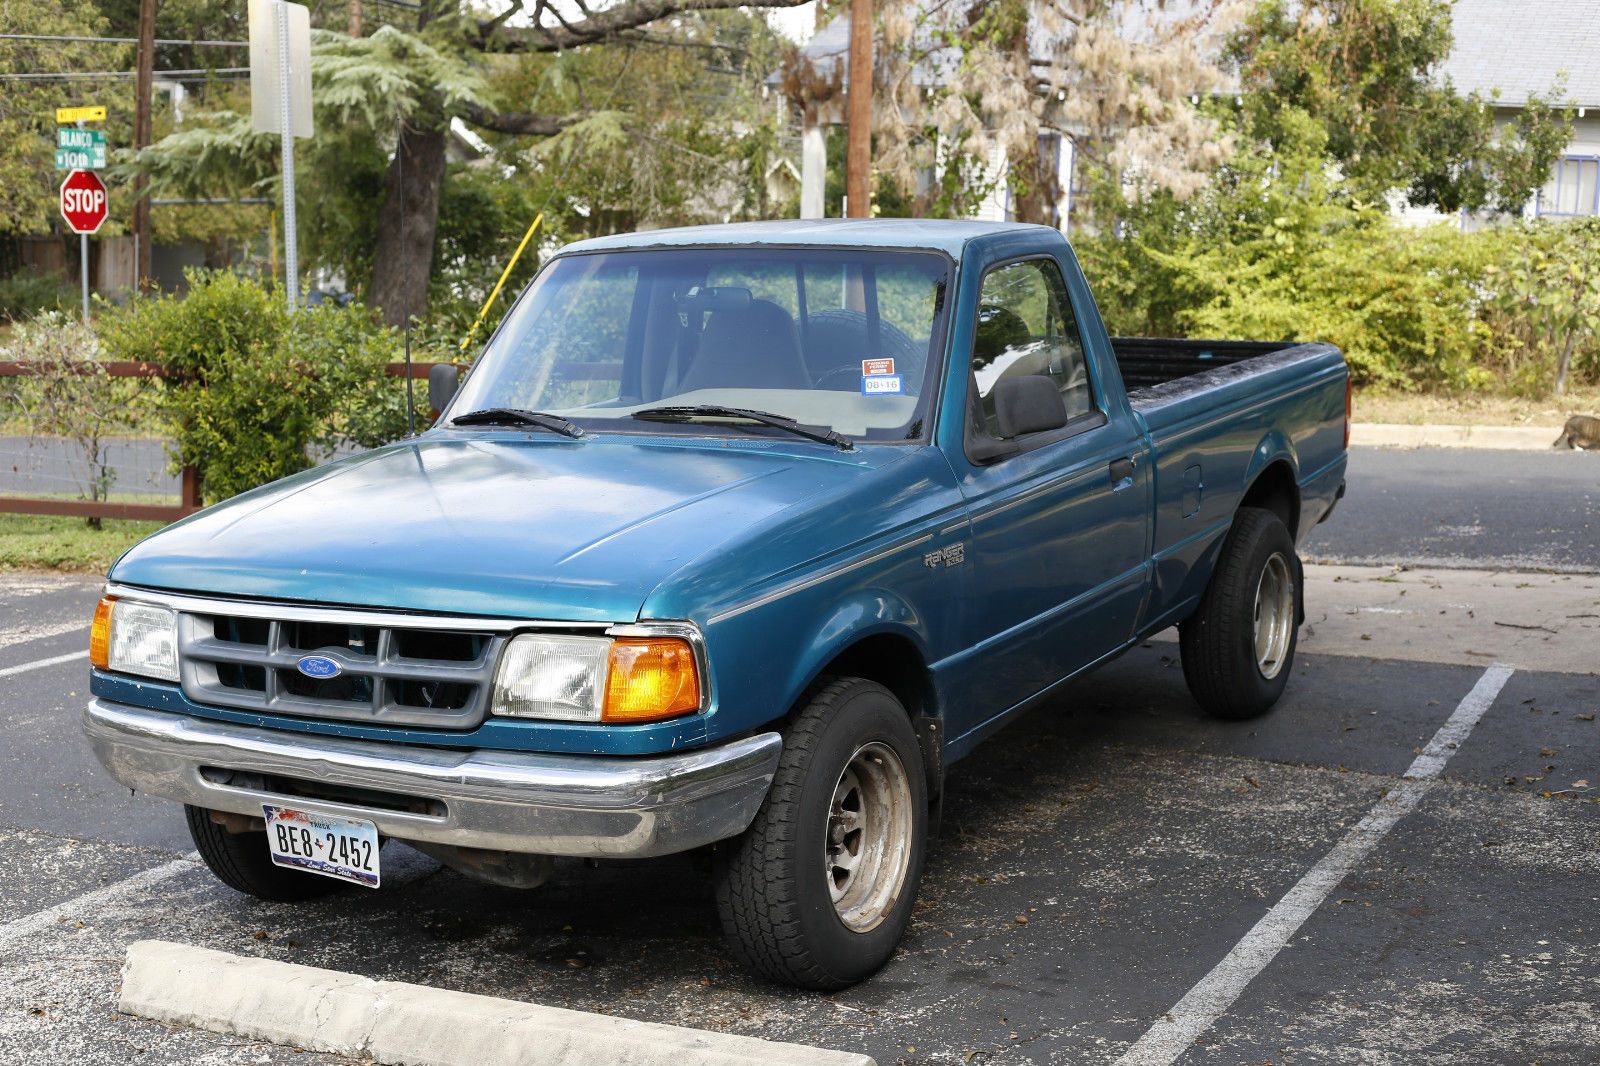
{"x": 72, "y": 137}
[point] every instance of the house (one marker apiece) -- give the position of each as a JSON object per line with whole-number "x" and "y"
{"x": 1511, "y": 50}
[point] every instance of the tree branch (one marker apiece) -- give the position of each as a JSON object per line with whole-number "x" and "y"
{"x": 492, "y": 36}
{"x": 521, "y": 122}
{"x": 500, "y": 19}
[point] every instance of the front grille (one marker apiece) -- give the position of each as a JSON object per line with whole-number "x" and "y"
{"x": 389, "y": 675}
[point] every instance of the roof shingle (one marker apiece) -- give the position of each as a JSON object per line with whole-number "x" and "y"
{"x": 1521, "y": 47}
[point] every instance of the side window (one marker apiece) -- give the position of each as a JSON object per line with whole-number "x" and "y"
{"x": 1026, "y": 328}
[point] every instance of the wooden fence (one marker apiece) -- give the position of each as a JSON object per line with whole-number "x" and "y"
{"x": 189, "y": 498}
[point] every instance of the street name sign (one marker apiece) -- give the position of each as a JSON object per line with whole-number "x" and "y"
{"x": 83, "y": 201}
{"x": 93, "y": 113}
{"x": 73, "y": 137}
{"x": 81, "y": 158}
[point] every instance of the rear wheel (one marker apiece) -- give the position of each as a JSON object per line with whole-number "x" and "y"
{"x": 241, "y": 861}
{"x": 819, "y": 889}
{"x": 1239, "y": 646}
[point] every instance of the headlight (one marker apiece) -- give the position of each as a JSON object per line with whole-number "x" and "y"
{"x": 135, "y": 638}
{"x": 597, "y": 679}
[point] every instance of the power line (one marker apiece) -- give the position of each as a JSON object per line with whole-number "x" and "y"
{"x": 172, "y": 75}
{"x": 117, "y": 40}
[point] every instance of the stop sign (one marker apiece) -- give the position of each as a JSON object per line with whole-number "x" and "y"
{"x": 83, "y": 201}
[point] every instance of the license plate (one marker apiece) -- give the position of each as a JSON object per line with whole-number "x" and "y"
{"x": 345, "y": 848}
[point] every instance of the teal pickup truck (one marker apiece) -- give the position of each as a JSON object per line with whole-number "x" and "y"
{"x": 735, "y": 538}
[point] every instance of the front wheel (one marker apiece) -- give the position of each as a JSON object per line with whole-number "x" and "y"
{"x": 819, "y": 890}
{"x": 1239, "y": 646}
{"x": 242, "y": 861}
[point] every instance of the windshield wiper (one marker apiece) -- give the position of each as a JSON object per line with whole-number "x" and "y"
{"x": 515, "y": 416}
{"x": 766, "y": 418}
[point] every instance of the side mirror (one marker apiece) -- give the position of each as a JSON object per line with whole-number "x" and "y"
{"x": 987, "y": 449}
{"x": 443, "y": 381}
{"x": 1028, "y": 403}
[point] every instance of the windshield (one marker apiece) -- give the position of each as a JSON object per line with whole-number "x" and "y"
{"x": 838, "y": 338}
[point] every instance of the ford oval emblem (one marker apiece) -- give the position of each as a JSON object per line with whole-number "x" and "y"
{"x": 318, "y": 666}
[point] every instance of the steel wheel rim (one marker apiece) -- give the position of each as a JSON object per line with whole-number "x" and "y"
{"x": 1274, "y": 615}
{"x": 867, "y": 849}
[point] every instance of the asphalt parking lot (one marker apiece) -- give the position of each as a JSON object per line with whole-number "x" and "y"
{"x": 1099, "y": 861}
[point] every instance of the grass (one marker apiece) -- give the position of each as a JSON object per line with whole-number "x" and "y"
{"x": 1474, "y": 409}
{"x": 46, "y": 542}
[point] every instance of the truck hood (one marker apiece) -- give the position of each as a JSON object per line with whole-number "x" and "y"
{"x": 509, "y": 525}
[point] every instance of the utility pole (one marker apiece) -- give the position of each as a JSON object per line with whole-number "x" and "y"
{"x": 858, "y": 116}
{"x": 142, "y": 89}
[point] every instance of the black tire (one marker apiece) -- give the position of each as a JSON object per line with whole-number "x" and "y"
{"x": 773, "y": 890}
{"x": 241, "y": 861}
{"x": 1218, "y": 641}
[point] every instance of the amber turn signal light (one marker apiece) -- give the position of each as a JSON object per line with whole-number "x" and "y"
{"x": 100, "y": 634}
{"x": 650, "y": 679}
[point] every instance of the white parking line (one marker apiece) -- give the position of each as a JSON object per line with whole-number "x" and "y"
{"x": 1207, "y": 1001}
{"x": 91, "y": 904}
{"x": 25, "y": 634}
{"x": 40, "y": 664}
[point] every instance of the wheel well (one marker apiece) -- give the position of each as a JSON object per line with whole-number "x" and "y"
{"x": 893, "y": 662}
{"x": 896, "y": 664}
{"x": 1274, "y": 490}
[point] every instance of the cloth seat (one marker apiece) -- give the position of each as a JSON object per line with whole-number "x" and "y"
{"x": 755, "y": 347}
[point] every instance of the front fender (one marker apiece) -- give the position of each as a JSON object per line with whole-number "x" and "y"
{"x": 865, "y": 613}
{"x": 764, "y": 659}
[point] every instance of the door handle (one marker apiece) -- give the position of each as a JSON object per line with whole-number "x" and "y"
{"x": 1122, "y": 470}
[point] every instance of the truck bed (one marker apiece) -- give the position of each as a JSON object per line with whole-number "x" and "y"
{"x": 1149, "y": 361}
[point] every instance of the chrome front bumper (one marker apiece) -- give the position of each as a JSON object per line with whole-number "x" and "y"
{"x": 529, "y": 802}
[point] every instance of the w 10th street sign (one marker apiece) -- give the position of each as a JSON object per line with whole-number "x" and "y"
{"x": 83, "y": 201}
{"x": 80, "y": 149}
{"x": 81, "y": 158}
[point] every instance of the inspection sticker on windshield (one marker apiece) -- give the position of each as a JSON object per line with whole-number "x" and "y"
{"x": 345, "y": 848}
{"x": 871, "y": 367}
{"x": 880, "y": 384}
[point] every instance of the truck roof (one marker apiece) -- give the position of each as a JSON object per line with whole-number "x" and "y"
{"x": 946, "y": 235}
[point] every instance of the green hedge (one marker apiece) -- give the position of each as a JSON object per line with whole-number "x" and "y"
{"x": 1412, "y": 307}
{"x": 262, "y": 393}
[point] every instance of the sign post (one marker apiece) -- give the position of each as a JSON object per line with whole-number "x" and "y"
{"x": 84, "y": 206}
{"x": 280, "y": 102}
{"x": 83, "y": 194}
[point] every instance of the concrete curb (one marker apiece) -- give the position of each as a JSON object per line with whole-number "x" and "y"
{"x": 412, "y": 1025}
{"x": 1514, "y": 438}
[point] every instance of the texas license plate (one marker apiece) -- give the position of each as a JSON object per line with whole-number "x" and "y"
{"x": 345, "y": 848}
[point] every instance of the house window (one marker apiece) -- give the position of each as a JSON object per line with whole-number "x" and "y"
{"x": 1573, "y": 189}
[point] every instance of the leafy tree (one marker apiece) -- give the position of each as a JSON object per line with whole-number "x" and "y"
{"x": 1364, "y": 71}
{"x": 28, "y": 179}
{"x": 1123, "y": 80}
{"x": 1547, "y": 300}
{"x": 68, "y": 396}
{"x": 638, "y": 133}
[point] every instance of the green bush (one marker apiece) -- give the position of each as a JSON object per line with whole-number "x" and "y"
{"x": 1277, "y": 255}
{"x": 261, "y": 393}
{"x": 27, "y": 293}
{"x": 67, "y": 398}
